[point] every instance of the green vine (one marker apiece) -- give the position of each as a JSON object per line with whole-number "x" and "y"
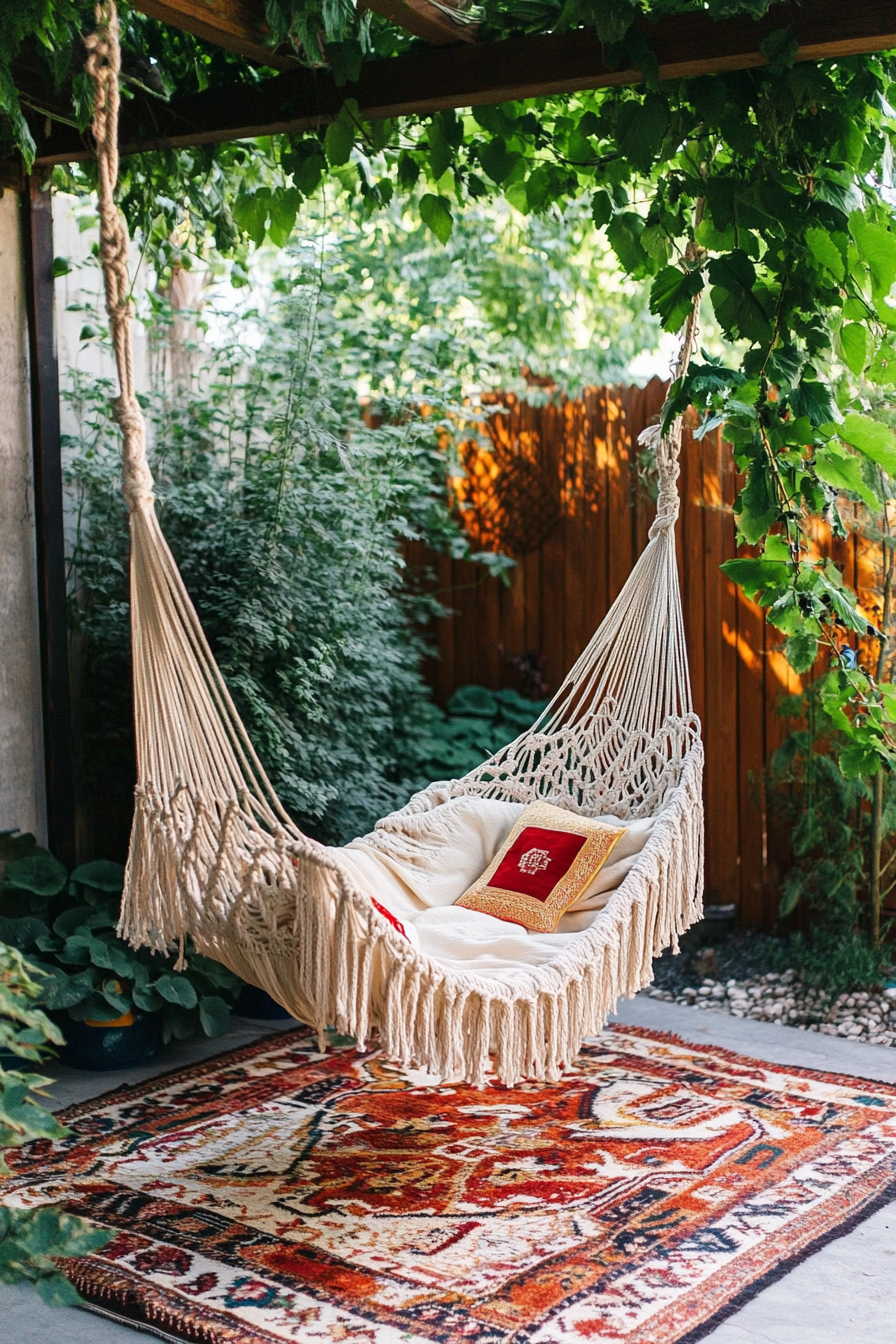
{"x": 796, "y": 249}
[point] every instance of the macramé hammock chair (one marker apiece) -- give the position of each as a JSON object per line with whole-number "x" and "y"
{"x": 215, "y": 856}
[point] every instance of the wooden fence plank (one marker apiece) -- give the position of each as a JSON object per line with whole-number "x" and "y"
{"x": 575, "y": 552}
{"x": 619, "y": 493}
{"x": 599, "y": 576}
{"x": 720, "y": 724}
{"x": 751, "y": 758}
{"x": 694, "y": 578}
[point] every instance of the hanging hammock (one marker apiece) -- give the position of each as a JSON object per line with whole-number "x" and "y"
{"x": 215, "y": 856}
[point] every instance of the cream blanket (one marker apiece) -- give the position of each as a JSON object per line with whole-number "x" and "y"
{"x": 417, "y": 866}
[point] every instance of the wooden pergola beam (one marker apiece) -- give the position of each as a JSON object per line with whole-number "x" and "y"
{"x": 425, "y": 19}
{"x": 484, "y": 73}
{"x": 236, "y": 25}
{"x": 239, "y": 25}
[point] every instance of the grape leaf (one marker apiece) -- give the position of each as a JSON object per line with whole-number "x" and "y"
{"x": 437, "y": 216}
{"x": 871, "y": 438}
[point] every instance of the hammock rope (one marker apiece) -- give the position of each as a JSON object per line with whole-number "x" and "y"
{"x": 215, "y": 856}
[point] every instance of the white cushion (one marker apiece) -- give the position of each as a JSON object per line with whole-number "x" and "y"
{"x": 418, "y": 865}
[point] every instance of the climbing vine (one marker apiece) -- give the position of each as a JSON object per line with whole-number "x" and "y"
{"x": 768, "y": 191}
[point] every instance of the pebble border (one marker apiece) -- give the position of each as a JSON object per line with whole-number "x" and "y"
{"x": 866, "y": 1015}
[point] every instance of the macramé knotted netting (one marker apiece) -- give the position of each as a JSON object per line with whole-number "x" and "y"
{"x": 215, "y": 856}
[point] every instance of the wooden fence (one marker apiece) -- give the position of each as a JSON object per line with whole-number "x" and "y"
{"x": 559, "y": 487}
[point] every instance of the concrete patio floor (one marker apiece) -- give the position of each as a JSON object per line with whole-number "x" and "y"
{"x": 846, "y": 1292}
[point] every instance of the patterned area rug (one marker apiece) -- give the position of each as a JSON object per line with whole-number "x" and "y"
{"x": 283, "y": 1194}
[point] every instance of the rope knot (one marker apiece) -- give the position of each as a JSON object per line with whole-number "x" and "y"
{"x": 137, "y": 483}
{"x": 666, "y": 449}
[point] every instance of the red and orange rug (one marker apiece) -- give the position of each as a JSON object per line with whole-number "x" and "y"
{"x": 282, "y": 1194}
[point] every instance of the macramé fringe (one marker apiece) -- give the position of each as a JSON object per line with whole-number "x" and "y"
{"x": 301, "y": 931}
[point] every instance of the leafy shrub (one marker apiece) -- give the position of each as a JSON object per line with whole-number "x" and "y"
{"x": 32, "y": 1240}
{"x": 829, "y": 818}
{"x": 67, "y": 927}
{"x": 286, "y": 514}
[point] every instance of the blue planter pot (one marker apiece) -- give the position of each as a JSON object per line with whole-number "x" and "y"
{"x": 113, "y": 1047}
{"x": 257, "y": 1003}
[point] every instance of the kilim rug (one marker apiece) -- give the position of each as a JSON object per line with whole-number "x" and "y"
{"x": 278, "y": 1193}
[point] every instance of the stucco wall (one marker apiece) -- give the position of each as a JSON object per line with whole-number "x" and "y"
{"x": 21, "y": 749}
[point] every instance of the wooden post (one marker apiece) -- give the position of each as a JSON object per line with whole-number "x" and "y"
{"x": 37, "y": 207}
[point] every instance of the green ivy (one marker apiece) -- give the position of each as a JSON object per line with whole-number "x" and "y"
{"x": 766, "y": 191}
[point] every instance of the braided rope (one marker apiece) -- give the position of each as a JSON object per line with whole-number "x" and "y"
{"x": 104, "y": 67}
{"x": 667, "y": 447}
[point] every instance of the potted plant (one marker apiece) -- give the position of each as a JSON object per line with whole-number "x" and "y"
{"x": 115, "y": 1003}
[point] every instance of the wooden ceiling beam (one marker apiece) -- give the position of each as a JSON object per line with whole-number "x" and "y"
{"x": 236, "y": 25}
{"x": 424, "y": 19}
{"x": 239, "y": 25}
{"x": 484, "y": 73}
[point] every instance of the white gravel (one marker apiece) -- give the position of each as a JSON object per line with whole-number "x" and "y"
{"x": 869, "y": 1015}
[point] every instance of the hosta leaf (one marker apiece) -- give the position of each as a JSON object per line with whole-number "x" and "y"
{"x": 146, "y": 999}
{"x": 102, "y": 875}
{"x": 214, "y": 1014}
{"x": 64, "y": 991}
{"x": 23, "y": 933}
{"x": 38, "y": 872}
{"x": 176, "y": 989}
{"x": 473, "y": 700}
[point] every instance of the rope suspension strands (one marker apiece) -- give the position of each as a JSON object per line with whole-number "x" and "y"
{"x": 214, "y": 855}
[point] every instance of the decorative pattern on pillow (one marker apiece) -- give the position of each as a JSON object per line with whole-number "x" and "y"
{"x": 544, "y": 865}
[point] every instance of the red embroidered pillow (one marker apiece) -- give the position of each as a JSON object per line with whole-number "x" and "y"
{"x": 544, "y": 865}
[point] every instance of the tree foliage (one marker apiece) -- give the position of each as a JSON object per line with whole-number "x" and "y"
{"x": 769, "y": 191}
{"x": 286, "y": 514}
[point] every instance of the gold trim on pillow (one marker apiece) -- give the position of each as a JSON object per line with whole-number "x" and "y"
{"x": 535, "y": 914}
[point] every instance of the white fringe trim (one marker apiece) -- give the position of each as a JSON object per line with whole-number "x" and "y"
{"x": 300, "y": 930}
